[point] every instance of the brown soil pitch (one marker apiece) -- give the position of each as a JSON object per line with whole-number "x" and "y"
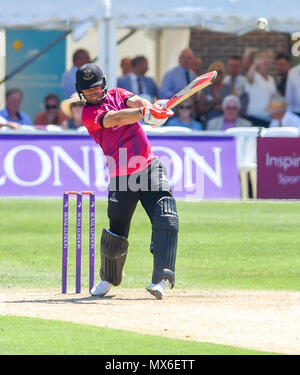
{"x": 260, "y": 320}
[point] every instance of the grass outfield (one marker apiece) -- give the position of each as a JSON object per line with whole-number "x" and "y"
{"x": 221, "y": 245}
{"x": 27, "y": 336}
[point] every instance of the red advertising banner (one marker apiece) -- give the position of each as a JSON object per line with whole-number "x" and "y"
{"x": 278, "y": 168}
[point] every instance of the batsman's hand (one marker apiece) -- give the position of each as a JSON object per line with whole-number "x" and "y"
{"x": 155, "y": 116}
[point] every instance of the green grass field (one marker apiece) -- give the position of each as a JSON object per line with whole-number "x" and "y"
{"x": 221, "y": 246}
{"x": 47, "y": 337}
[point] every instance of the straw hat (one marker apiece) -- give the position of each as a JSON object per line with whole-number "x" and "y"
{"x": 65, "y": 105}
{"x": 277, "y": 103}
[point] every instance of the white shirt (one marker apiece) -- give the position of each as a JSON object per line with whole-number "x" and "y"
{"x": 289, "y": 119}
{"x": 292, "y": 92}
{"x": 260, "y": 92}
{"x": 239, "y": 83}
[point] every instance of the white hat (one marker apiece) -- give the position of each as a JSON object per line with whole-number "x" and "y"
{"x": 65, "y": 105}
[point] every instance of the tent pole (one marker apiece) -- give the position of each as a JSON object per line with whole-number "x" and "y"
{"x": 108, "y": 50}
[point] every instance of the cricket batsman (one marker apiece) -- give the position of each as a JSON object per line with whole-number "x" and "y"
{"x": 112, "y": 119}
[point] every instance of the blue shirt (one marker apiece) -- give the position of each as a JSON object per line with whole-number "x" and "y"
{"x": 147, "y": 89}
{"x": 194, "y": 125}
{"x": 24, "y": 119}
{"x": 68, "y": 82}
{"x": 175, "y": 80}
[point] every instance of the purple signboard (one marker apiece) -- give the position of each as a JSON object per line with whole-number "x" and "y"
{"x": 37, "y": 165}
{"x": 278, "y": 168}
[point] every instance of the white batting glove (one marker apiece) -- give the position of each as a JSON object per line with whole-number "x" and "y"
{"x": 155, "y": 116}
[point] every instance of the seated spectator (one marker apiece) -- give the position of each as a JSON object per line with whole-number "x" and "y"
{"x": 52, "y": 114}
{"x": 281, "y": 116}
{"x": 209, "y": 101}
{"x": 136, "y": 81}
{"x": 283, "y": 65}
{"x": 177, "y": 78}
{"x": 231, "y": 107}
{"x": 292, "y": 93}
{"x": 125, "y": 65}
{"x": 196, "y": 65}
{"x": 8, "y": 124}
{"x": 80, "y": 57}
{"x": 12, "y": 112}
{"x": 260, "y": 86}
{"x": 183, "y": 117}
{"x": 73, "y": 109}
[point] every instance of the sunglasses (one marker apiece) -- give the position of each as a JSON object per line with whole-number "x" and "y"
{"x": 185, "y": 107}
{"x": 231, "y": 108}
{"x": 48, "y": 106}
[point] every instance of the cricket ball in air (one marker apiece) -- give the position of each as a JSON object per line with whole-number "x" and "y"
{"x": 262, "y": 23}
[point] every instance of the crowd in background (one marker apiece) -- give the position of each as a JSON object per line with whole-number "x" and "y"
{"x": 244, "y": 93}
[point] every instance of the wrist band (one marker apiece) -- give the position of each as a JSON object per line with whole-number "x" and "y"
{"x": 140, "y": 112}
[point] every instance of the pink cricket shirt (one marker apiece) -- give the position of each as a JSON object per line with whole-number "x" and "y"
{"x": 128, "y": 145}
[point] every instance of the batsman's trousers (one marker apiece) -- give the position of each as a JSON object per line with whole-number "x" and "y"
{"x": 148, "y": 187}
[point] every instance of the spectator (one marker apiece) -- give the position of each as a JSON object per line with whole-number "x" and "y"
{"x": 248, "y": 58}
{"x": 73, "y": 109}
{"x": 260, "y": 86}
{"x": 8, "y": 124}
{"x": 231, "y": 107}
{"x": 234, "y": 78}
{"x": 177, "y": 78}
{"x": 280, "y": 115}
{"x": 237, "y": 81}
{"x": 183, "y": 117}
{"x": 210, "y": 99}
{"x": 283, "y": 65}
{"x": 12, "y": 112}
{"x": 52, "y": 114}
{"x": 136, "y": 81}
{"x": 197, "y": 65}
{"x": 292, "y": 93}
{"x": 80, "y": 57}
{"x": 125, "y": 65}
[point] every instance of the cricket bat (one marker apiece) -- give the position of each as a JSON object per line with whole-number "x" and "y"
{"x": 196, "y": 85}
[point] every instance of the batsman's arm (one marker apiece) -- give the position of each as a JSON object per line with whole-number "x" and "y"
{"x": 126, "y": 116}
{"x": 137, "y": 102}
{"x": 151, "y": 114}
{"x": 120, "y": 118}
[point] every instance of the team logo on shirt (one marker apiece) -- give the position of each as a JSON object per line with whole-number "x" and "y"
{"x": 87, "y": 74}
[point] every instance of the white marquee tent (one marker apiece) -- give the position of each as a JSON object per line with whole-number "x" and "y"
{"x": 233, "y": 16}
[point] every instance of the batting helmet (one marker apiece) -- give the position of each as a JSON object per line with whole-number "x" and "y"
{"x": 88, "y": 76}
